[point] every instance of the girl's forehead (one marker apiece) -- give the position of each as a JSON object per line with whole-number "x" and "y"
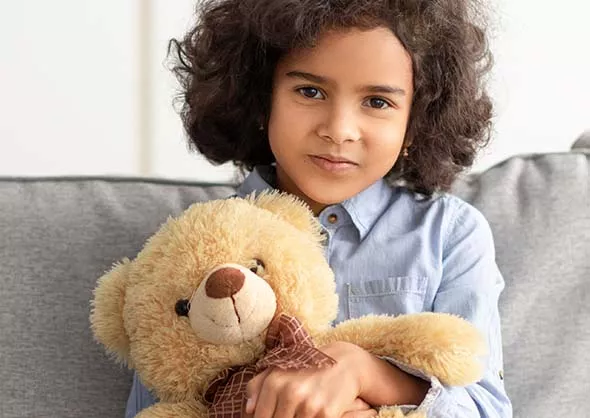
{"x": 365, "y": 55}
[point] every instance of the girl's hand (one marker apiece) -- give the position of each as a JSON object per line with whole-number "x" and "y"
{"x": 330, "y": 392}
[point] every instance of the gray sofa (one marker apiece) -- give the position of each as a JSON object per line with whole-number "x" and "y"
{"x": 58, "y": 235}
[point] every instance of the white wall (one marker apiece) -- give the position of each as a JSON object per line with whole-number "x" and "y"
{"x": 68, "y": 91}
{"x": 541, "y": 80}
{"x": 170, "y": 157}
{"x": 83, "y": 88}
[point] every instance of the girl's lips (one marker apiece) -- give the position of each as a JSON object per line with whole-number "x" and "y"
{"x": 332, "y": 164}
{"x": 334, "y": 158}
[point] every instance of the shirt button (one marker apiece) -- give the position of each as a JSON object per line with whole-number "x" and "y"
{"x": 333, "y": 218}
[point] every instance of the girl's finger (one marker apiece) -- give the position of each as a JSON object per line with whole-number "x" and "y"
{"x": 253, "y": 391}
{"x": 286, "y": 406}
{"x": 266, "y": 403}
{"x": 358, "y": 405}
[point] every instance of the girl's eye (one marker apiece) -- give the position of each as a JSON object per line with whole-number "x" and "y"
{"x": 378, "y": 103}
{"x": 310, "y": 92}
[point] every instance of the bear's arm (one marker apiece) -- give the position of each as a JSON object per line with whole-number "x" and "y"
{"x": 436, "y": 344}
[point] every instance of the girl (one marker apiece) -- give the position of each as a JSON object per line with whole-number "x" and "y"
{"x": 366, "y": 110}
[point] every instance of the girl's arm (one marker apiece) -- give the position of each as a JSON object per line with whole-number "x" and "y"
{"x": 387, "y": 385}
{"x": 470, "y": 287}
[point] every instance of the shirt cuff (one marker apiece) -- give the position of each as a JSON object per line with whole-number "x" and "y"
{"x": 432, "y": 396}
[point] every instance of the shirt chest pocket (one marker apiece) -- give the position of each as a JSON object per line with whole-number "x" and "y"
{"x": 392, "y": 296}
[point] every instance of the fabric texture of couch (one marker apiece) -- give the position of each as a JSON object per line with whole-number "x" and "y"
{"x": 58, "y": 235}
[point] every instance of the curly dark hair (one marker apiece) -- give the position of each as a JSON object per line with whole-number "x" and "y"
{"x": 226, "y": 62}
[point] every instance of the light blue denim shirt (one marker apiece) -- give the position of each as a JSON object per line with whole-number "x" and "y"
{"x": 395, "y": 252}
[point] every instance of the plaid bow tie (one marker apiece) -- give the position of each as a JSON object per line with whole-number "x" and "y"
{"x": 288, "y": 346}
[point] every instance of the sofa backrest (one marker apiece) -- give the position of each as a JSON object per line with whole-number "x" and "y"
{"x": 539, "y": 209}
{"x": 58, "y": 235}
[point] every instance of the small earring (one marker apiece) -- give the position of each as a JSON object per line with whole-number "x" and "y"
{"x": 405, "y": 153}
{"x": 261, "y": 127}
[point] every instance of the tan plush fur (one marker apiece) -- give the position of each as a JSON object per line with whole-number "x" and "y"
{"x": 134, "y": 317}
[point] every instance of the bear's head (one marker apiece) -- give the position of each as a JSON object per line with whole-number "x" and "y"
{"x": 201, "y": 294}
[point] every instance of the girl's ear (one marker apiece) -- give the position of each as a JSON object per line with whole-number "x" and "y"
{"x": 290, "y": 208}
{"x": 106, "y": 316}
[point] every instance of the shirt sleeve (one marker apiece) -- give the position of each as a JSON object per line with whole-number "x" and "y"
{"x": 139, "y": 398}
{"x": 470, "y": 287}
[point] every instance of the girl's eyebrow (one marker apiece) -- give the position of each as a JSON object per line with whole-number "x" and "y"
{"x": 308, "y": 76}
{"x": 371, "y": 89}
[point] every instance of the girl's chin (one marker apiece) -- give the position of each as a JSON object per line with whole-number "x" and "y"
{"x": 326, "y": 195}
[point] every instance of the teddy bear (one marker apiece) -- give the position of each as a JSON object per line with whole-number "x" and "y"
{"x": 233, "y": 286}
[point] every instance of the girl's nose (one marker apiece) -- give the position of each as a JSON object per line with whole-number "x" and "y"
{"x": 340, "y": 125}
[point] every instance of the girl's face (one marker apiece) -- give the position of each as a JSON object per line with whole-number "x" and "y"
{"x": 339, "y": 114}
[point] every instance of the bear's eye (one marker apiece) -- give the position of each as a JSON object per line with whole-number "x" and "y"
{"x": 257, "y": 267}
{"x": 183, "y": 306}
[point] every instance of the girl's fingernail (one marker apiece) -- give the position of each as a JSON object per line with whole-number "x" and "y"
{"x": 249, "y": 406}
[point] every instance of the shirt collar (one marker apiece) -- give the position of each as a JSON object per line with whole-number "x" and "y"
{"x": 364, "y": 208}
{"x": 260, "y": 179}
{"x": 367, "y": 206}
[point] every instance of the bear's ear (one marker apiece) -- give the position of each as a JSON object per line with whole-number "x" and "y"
{"x": 290, "y": 208}
{"x": 106, "y": 316}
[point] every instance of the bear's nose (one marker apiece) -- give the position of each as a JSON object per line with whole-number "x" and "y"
{"x": 224, "y": 283}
